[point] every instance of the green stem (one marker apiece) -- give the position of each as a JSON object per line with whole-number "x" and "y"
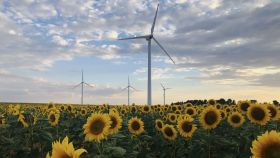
{"x": 209, "y": 144}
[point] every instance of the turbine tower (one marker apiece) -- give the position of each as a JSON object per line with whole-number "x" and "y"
{"x": 128, "y": 90}
{"x": 82, "y": 83}
{"x": 164, "y": 89}
{"x": 149, "y": 38}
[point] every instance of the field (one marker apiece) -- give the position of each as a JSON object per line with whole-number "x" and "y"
{"x": 195, "y": 131}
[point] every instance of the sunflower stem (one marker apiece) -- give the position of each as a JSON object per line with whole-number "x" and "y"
{"x": 98, "y": 148}
{"x": 209, "y": 144}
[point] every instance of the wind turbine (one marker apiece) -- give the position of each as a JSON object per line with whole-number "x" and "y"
{"x": 149, "y": 38}
{"x": 128, "y": 90}
{"x": 164, "y": 89}
{"x": 82, "y": 83}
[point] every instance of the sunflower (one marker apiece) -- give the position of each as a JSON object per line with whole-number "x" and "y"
{"x": 23, "y": 121}
{"x": 97, "y": 127}
{"x": 223, "y": 114}
{"x": 2, "y": 120}
{"x": 172, "y": 117}
{"x": 235, "y": 119}
{"x": 133, "y": 109}
{"x": 146, "y": 109}
{"x": 169, "y": 132}
{"x": 135, "y": 126}
{"x": 258, "y": 113}
{"x": 218, "y": 106}
{"x": 33, "y": 119}
{"x": 159, "y": 124}
{"x": 116, "y": 122}
{"x": 185, "y": 127}
{"x": 275, "y": 114}
{"x": 244, "y": 105}
{"x": 210, "y": 117}
{"x": 211, "y": 102}
{"x": 267, "y": 145}
{"x": 65, "y": 149}
{"x": 83, "y": 112}
{"x": 191, "y": 111}
{"x": 53, "y": 118}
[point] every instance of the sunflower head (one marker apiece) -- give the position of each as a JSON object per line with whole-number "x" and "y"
{"x": 65, "y": 149}
{"x": 159, "y": 124}
{"x": 235, "y": 119}
{"x": 97, "y": 127}
{"x": 186, "y": 127}
{"x": 191, "y": 111}
{"x": 172, "y": 117}
{"x": 244, "y": 105}
{"x": 53, "y": 118}
{"x": 211, "y": 102}
{"x": 274, "y": 112}
{"x": 210, "y": 117}
{"x": 135, "y": 126}
{"x": 169, "y": 132}
{"x": 266, "y": 145}
{"x": 258, "y": 113}
{"x": 116, "y": 122}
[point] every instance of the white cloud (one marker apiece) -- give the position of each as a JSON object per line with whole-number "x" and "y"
{"x": 59, "y": 40}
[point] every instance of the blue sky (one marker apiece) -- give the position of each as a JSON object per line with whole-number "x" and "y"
{"x": 222, "y": 48}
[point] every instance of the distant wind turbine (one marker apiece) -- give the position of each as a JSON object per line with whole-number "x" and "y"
{"x": 149, "y": 39}
{"x": 82, "y": 83}
{"x": 128, "y": 91}
{"x": 164, "y": 89}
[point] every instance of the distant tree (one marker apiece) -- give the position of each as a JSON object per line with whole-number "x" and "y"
{"x": 221, "y": 101}
{"x": 275, "y": 102}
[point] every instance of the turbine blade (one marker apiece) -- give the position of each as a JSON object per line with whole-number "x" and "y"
{"x": 124, "y": 88}
{"x": 88, "y": 85}
{"x": 154, "y": 22}
{"x": 162, "y": 86}
{"x": 136, "y": 37}
{"x": 77, "y": 85}
{"x": 164, "y": 50}
{"x": 168, "y": 88}
{"x": 134, "y": 88}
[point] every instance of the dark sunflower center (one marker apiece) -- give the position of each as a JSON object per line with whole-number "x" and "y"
{"x": 114, "y": 122}
{"x": 168, "y": 131}
{"x": 272, "y": 111}
{"x": 258, "y": 114}
{"x": 190, "y": 111}
{"x": 159, "y": 124}
{"x": 83, "y": 111}
{"x": 244, "y": 106}
{"x": 133, "y": 110}
{"x": 228, "y": 110}
{"x": 146, "y": 108}
{"x": 272, "y": 151}
{"x": 97, "y": 126}
{"x": 218, "y": 106}
{"x": 211, "y": 102}
{"x": 172, "y": 117}
{"x": 69, "y": 108}
{"x": 174, "y": 108}
{"x": 223, "y": 115}
{"x": 187, "y": 127}
{"x": 52, "y": 118}
{"x": 235, "y": 119}
{"x": 135, "y": 125}
{"x": 210, "y": 117}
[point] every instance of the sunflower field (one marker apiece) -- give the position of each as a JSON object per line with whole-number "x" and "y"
{"x": 211, "y": 130}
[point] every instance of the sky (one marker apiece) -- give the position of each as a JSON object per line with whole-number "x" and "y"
{"x": 222, "y": 49}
